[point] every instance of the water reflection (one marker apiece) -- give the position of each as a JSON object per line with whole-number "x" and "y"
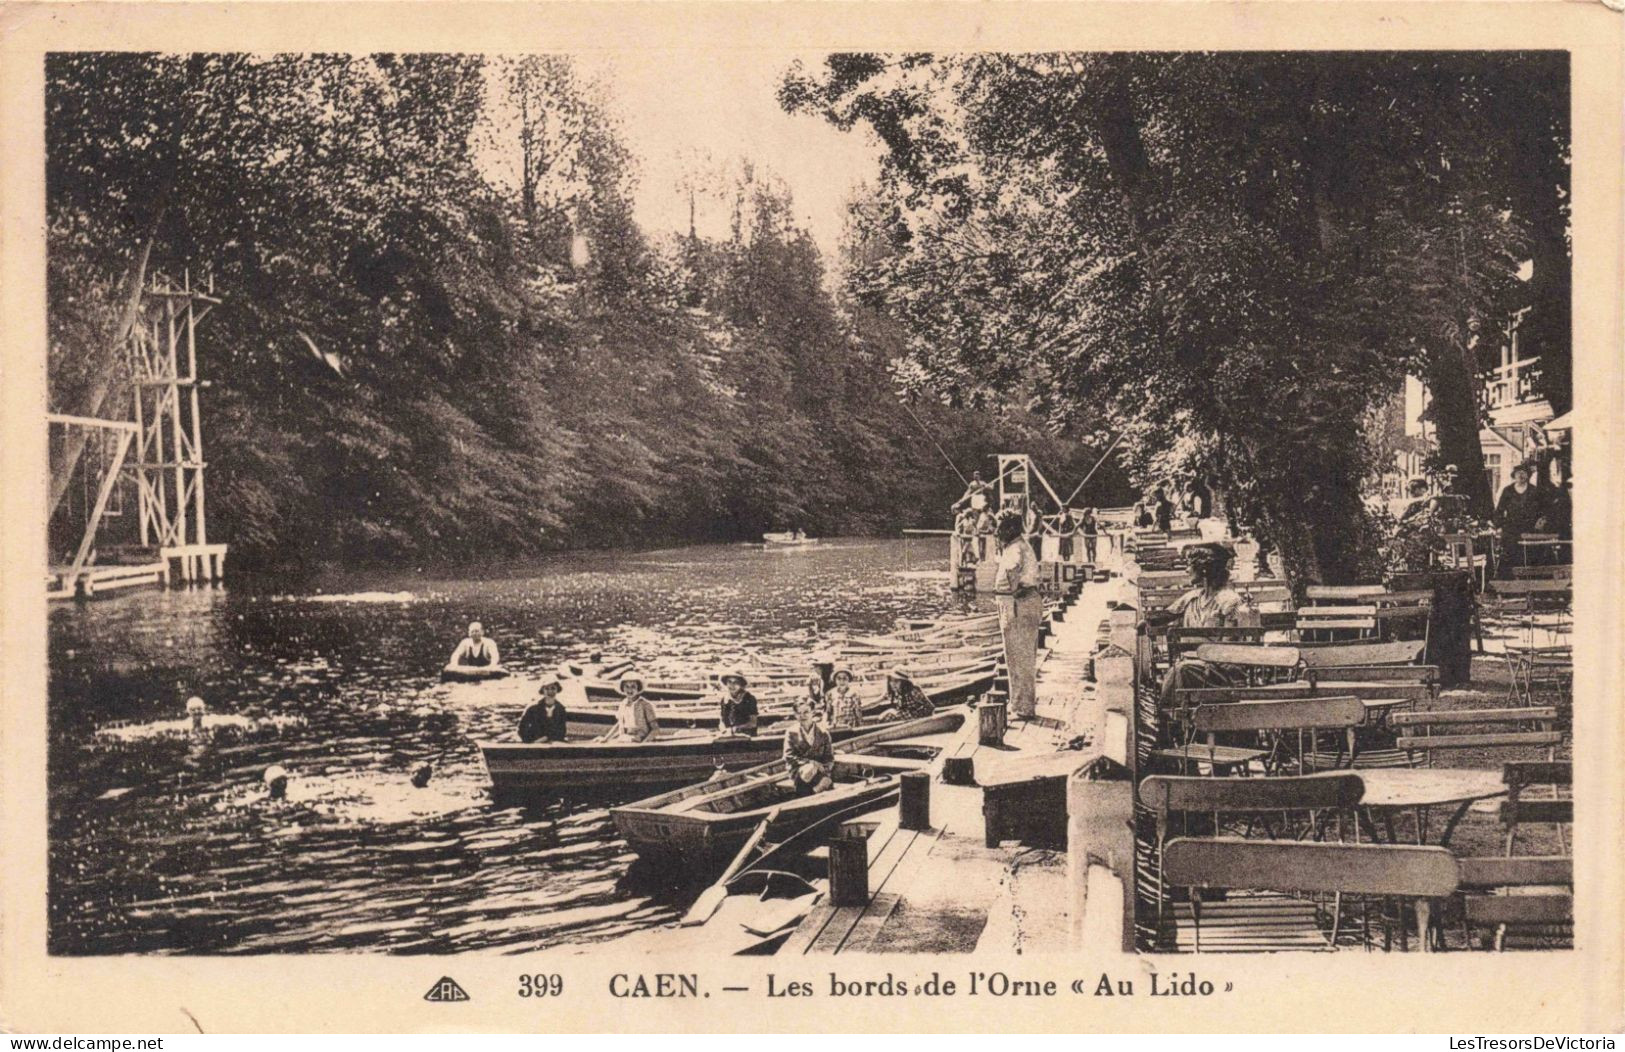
{"x": 167, "y": 840}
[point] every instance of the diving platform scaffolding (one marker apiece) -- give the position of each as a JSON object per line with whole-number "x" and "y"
{"x": 158, "y": 448}
{"x": 1015, "y": 487}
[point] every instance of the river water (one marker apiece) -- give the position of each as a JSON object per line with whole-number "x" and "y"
{"x": 166, "y": 842}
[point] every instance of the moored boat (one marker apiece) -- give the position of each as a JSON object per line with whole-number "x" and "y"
{"x": 701, "y": 826}
{"x": 519, "y": 768}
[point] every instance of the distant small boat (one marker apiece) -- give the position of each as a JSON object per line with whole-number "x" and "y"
{"x": 472, "y": 673}
{"x": 787, "y": 539}
{"x": 701, "y": 826}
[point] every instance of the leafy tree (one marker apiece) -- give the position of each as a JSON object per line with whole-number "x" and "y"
{"x": 1236, "y": 255}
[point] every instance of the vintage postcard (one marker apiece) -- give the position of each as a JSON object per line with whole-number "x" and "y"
{"x": 807, "y": 517}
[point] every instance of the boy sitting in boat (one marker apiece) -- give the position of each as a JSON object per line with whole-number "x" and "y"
{"x": 809, "y": 753}
{"x": 738, "y": 709}
{"x": 815, "y": 698}
{"x": 635, "y": 720}
{"x": 846, "y": 708}
{"x": 475, "y": 651}
{"x": 544, "y": 720}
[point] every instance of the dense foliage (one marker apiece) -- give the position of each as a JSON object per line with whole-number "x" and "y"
{"x": 445, "y": 338}
{"x": 1236, "y": 257}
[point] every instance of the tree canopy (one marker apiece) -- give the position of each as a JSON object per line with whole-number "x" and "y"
{"x": 444, "y": 336}
{"x": 1232, "y": 257}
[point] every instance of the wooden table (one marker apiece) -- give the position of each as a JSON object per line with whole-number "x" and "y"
{"x": 1388, "y": 790}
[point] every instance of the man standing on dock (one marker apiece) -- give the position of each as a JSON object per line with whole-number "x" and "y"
{"x": 975, "y": 495}
{"x": 1021, "y": 608}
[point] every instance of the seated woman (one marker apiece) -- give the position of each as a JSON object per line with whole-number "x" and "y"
{"x": 738, "y": 710}
{"x": 636, "y": 719}
{"x": 545, "y": 720}
{"x": 1212, "y": 603}
{"x": 846, "y": 708}
{"x": 906, "y": 700}
{"x": 808, "y": 753}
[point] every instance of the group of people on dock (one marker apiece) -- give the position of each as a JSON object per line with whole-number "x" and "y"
{"x": 975, "y": 524}
{"x": 1156, "y": 509}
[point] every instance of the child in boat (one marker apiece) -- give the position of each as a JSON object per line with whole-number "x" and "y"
{"x": 545, "y": 720}
{"x": 906, "y": 699}
{"x": 738, "y": 710}
{"x": 635, "y": 720}
{"x": 475, "y": 651}
{"x": 809, "y": 753}
{"x": 815, "y": 697}
{"x": 846, "y": 708}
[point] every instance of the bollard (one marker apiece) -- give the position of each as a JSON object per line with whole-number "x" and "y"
{"x": 849, "y": 872}
{"x": 959, "y": 770}
{"x": 994, "y": 720}
{"x": 914, "y": 801}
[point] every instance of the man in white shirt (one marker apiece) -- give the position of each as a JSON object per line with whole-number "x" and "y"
{"x": 1021, "y": 609}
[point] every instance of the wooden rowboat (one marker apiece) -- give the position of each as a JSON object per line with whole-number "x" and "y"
{"x": 518, "y": 768}
{"x": 700, "y": 827}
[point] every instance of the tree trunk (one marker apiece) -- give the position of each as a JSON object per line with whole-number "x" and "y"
{"x": 1453, "y": 382}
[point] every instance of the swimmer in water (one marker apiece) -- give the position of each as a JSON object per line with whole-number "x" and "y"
{"x": 276, "y": 781}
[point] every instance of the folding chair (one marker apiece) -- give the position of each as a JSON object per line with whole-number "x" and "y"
{"x": 1523, "y": 902}
{"x": 1522, "y": 778}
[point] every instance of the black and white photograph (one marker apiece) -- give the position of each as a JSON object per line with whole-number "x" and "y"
{"x": 813, "y": 504}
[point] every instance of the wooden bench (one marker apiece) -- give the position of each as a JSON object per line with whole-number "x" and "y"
{"x": 1285, "y": 871}
{"x": 1523, "y": 727}
{"x": 1405, "y": 652}
{"x": 1179, "y": 637}
{"x": 1328, "y": 619}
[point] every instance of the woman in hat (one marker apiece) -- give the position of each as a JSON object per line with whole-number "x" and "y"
{"x": 906, "y": 699}
{"x": 636, "y": 719}
{"x": 845, "y": 707}
{"x": 738, "y": 709}
{"x": 808, "y": 753}
{"x": 544, "y": 720}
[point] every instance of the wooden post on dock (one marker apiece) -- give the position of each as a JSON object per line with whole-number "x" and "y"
{"x": 994, "y": 718}
{"x": 849, "y": 871}
{"x": 914, "y": 801}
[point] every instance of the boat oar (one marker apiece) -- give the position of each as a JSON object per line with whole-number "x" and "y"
{"x": 711, "y": 899}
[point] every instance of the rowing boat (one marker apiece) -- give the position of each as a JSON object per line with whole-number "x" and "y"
{"x": 519, "y": 768}
{"x": 699, "y": 827}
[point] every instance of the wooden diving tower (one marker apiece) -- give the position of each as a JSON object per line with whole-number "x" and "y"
{"x": 170, "y": 541}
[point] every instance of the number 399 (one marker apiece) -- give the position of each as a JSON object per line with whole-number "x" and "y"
{"x": 541, "y": 985}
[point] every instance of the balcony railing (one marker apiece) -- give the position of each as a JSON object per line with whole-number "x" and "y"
{"x": 1512, "y": 384}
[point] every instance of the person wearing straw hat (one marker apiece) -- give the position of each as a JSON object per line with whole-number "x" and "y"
{"x": 809, "y": 754}
{"x": 906, "y": 699}
{"x": 845, "y": 707}
{"x": 636, "y": 719}
{"x": 1021, "y": 608}
{"x": 545, "y": 720}
{"x": 738, "y": 710}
